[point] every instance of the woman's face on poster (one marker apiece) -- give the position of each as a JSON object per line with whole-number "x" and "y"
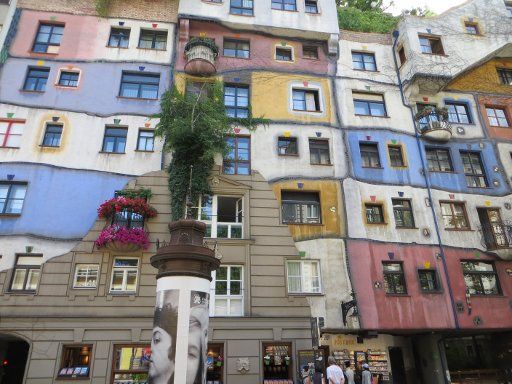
{"x": 161, "y": 367}
{"x": 196, "y": 338}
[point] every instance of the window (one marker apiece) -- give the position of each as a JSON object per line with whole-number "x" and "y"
{"x": 374, "y": 214}
{"x": 394, "y": 278}
{"x": 242, "y": 7}
{"x": 114, "y": 140}
{"x": 431, "y": 45}
{"x": 223, "y": 216}
{"x": 303, "y": 276}
{"x": 236, "y": 100}
{"x": 52, "y": 135}
{"x": 287, "y": 146}
{"x": 458, "y": 113}
{"x": 473, "y": 169}
{"x": 368, "y": 104}
{"x": 36, "y": 79}
{"x": 284, "y": 54}
{"x": 131, "y": 363}
{"x": 86, "y": 276}
{"x": 146, "y": 140}
{"x": 238, "y": 159}
{"x": 396, "y": 156}
{"x": 363, "y": 61}
{"x": 428, "y": 280}
{"x": 439, "y": 160}
{"x": 497, "y": 117}
{"x": 124, "y": 275}
{"x": 119, "y": 38}
{"x": 236, "y": 48}
{"x": 139, "y": 85}
{"x": 369, "y": 155}
{"x": 284, "y": 5}
{"x": 68, "y": 79}
{"x": 12, "y": 195}
{"x": 471, "y": 28}
{"x": 425, "y": 121}
{"x": 310, "y": 52}
{"x": 402, "y": 56}
{"x": 152, "y": 39}
{"x": 26, "y": 272}
{"x": 306, "y": 100}
{"x": 75, "y": 361}
{"x": 319, "y": 152}
{"x": 201, "y": 89}
{"x": 508, "y": 6}
{"x": 227, "y": 298}
{"x": 10, "y": 133}
{"x": 311, "y": 6}
{"x": 480, "y": 278}
{"x": 454, "y": 215}
{"x": 505, "y": 76}
{"x": 128, "y": 219}
{"x": 300, "y": 207}
{"x": 402, "y": 210}
{"x": 48, "y": 38}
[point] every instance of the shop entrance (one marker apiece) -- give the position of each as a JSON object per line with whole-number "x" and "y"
{"x": 13, "y": 358}
{"x": 397, "y": 365}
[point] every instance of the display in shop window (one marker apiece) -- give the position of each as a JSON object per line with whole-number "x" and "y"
{"x": 277, "y": 363}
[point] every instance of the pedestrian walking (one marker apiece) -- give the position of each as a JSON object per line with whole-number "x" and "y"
{"x": 349, "y": 373}
{"x": 334, "y": 373}
{"x": 367, "y": 375}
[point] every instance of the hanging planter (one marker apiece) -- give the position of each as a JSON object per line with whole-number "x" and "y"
{"x": 119, "y": 204}
{"x": 122, "y": 239}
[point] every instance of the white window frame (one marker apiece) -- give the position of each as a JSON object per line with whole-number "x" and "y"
{"x": 88, "y": 269}
{"x": 228, "y": 297}
{"x": 125, "y": 274}
{"x": 213, "y": 223}
{"x": 302, "y": 277}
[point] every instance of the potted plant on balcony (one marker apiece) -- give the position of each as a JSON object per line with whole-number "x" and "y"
{"x": 441, "y": 113}
{"x": 202, "y": 42}
{"x": 123, "y": 239}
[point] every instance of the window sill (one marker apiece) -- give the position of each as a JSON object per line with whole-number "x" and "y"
{"x": 434, "y": 54}
{"x": 49, "y": 146}
{"x": 122, "y": 294}
{"x": 406, "y": 228}
{"x": 66, "y": 87}
{"x": 306, "y": 111}
{"x": 112, "y": 153}
{"x": 497, "y": 126}
{"x": 136, "y": 98}
{"x": 289, "y": 155}
{"x": 143, "y": 151}
{"x": 452, "y": 172}
{"x": 310, "y": 58}
{"x": 398, "y": 294}
{"x": 366, "y": 70}
{"x": 324, "y": 165}
{"x": 285, "y": 61}
{"x": 21, "y": 293}
{"x": 312, "y": 13}
{"x": 456, "y": 123}
{"x": 383, "y": 117}
{"x": 459, "y": 229}
{"x": 399, "y": 167}
{"x": 313, "y": 224}
{"x": 29, "y": 91}
{"x": 13, "y": 215}
{"x": 376, "y": 223}
{"x": 6, "y": 147}
{"x": 285, "y": 10}
{"x": 239, "y": 14}
{"x": 153, "y": 49}
{"x": 483, "y": 295}
{"x": 304, "y": 294}
{"x": 438, "y": 292}
{"x": 43, "y": 53}
{"x": 111, "y": 46}
{"x": 372, "y": 167}
{"x": 236, "y": 57}
{"x": 479, "y": 187}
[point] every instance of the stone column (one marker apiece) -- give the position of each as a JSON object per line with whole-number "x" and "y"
{"x": 180, "y": 331}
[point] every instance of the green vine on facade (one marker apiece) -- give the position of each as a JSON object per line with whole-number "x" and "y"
{"x": 194, "y": 127}
{"x": 102, "y": 7}
{"x": 143, "y": 193}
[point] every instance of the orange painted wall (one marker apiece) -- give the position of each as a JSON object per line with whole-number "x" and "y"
{"x": 499, "y": 102}
{"x": 483, "y": 79}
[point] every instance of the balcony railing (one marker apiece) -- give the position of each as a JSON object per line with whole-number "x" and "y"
{"x": 200, "y": 55}
{"x": 434, "y": 125}
{"x": 497, "y": 238}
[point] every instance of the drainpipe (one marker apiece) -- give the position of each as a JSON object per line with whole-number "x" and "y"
{"x": 427, "y": 180}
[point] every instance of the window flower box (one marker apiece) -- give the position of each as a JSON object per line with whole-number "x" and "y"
{"x": 119, "y": 204}
{"x": 122, "y": 239}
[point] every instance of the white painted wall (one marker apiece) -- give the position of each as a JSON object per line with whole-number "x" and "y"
{"x": 6, "y": 12}
{"x": 505, "y": 155}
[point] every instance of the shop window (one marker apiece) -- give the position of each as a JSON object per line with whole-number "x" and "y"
{"x": 396, "y": 155}
{"x": 505, "y": 76}
{"x": 152, "y": 39}
{"x": 300, "y": 207}
{"x": 238, "y": 158}
{"x": 497, "y": 117}
{"x": 369, "y": 104}
{"x": 236, "y": 100}
{"x": 215, "y": 360}
{"x": 242, "y": 7}
{"x": 236, "y": 48}
{"x": 364, "y": 61}
{"x": 319, "y": 152}
{"x": 284, "y": 54}
{"x": 439, "y": 160}
{"x": 287, "y": 146}
{"x": 431, "y": 45}
{"x": 119, "y": 37}
{"x": 481, "y": 278}
{"x": 310, "y": 52}
{"x": 401, "y": 55}
{"x": 458, "y": 113}
{"x": 114, "y": 140}
{"x": 223, "y": 216}
{"x": 227, "y": 293}
{"x": 429, "y": 282}
{"x": 75, "y": 362}
{"x": 131, "y": 364}
{"x": 12, "y": 196}
{"x": 69, "y": 79}
{"x": 52, "y": 135}
{"x": 306, "y": 100}
{"x": 454, "y": 215}
{"x": 284, "y": 5}
{"x": 125, "y": 272}
{"x": 48, "y": 38}
{"x": 146, "y": 140}
{"x": 311, "y": 6}
{"x": 374, "y": 214}
{"x": 394, "y": 278}
{"x": 26, "y": 272}
{"x": 473, "y": 169}
{"x": 369, "y": 155}
{"x": 86, "y": 276}
{"x": 36, "y": 79}
{"x": 402, "y": 210}
{"x": 277, "y": 363}
{"x": 471, "y": 28}
{"x": 10, "y": 132}
{"x": 303, "y": 276}
{"x": 139, "y": 86}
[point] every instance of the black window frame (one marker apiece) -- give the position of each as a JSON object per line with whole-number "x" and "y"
{"x": 245, "y": 53}
{"x": 52, "y": 135}
{"x": 51, "y": 34}
{"x": 280, "y": 56}
{"x": 239, "y": 9}
{"x": 317, "y": 150}
{"x": 140, "y": 85}
{"x": 3, "y": 211}
{"x": 435, "y": 45}
{"x": 41, "y": 81}
{"x": 70, "y": 82}
{"x": 286, "y": 143}
{"x": 244, "y": 110}
{"x": 455, "y": 112}
{"x": 436, "y": 281}
{"x": 474, "y": 175}
{"x": 367, "y": 151}
{"x": 116, "y": 141}
{"x": 122, "y": 35}
{"x": 505, "y": 75}
{"x": 435, "y": 151}
{"x": 298, "y": 204}
{"x": 311, "y": 6}
{"x": 281, "y": 5}
{"x": 479, "y": 275}
{"x": 371, "y": 214}
{"x": 364, "y": 55}
{"x": 399, "y": 208}
{"x": 310, "y": 52}
{"x": 236, "y": 161}
{"x": 153, "y": 34}
{"x": 139, "y": 136}
{"x": 27, "y": 268}
{"x": 390, "y": 279}
{"x": 393, "y": 149}
{"x": 303, "y": 99}
{"x": 128, "y": 219}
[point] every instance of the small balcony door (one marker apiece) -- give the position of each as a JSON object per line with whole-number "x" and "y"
{"x": 493, "y": 230}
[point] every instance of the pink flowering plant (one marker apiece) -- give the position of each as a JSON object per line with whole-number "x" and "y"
{"x": 118, "y": 204}
{"x": 136, "y": 236}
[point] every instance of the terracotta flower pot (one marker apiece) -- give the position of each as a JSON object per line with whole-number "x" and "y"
{"x": 122, "y": 247}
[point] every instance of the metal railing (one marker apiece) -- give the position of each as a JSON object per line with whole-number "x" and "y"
{"x": 200, "y": 52}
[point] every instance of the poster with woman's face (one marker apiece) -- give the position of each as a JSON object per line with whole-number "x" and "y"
{"x": 197, "y": 338}
{"x": 163, "y": 341}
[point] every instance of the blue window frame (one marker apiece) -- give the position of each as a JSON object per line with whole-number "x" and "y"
{"x": 68, "y": 79}
{"x": 119, "y": 38}
{"x": 236, "y": 100}
{"x": 242, "y": 7}
{"x": 114, "y": 140}
{"x": 364, "y": 61}
{"x": 52, "y": 135}
{"x": 458, "y": 113}
{"x": 36, "y": 79}
{"x": 139, "y": 85}
{"x": 284, "y": 5}
{"x": 47, "y": 35}
{"x": 12, "y": 196}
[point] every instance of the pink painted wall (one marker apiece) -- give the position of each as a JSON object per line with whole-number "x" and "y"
{"x": 417, "y": 310}
{"x": 262, "y": 49}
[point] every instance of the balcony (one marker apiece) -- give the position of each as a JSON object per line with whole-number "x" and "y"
{"x": 201, "y": 54}
{"x": 497, "y": 238}
{"x": 434, "y": 124}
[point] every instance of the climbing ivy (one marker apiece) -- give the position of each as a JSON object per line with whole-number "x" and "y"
{"x": 194, "y": 127}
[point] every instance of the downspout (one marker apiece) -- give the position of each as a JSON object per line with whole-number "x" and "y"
{"x": 427, "y": 181}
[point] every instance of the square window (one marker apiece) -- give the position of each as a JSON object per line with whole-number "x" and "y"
{"x": 228, "y": 291}
{"x": 223, "y": 215}
{"x": 369, "y": 155}
{"x": 481, "y": 278}
{"x": 300, "y": 207}
{"x": 128, "y": 219}
{"x": 48, "y": 38}
{"x": 306, "y": 100}
{"x": 402, "y": 56}
{"x": 473, "y": 169}
{"x": 310, "y": 52}
{"x": 139, "y": 85}
{"x": 394, "y": 278}
{"x": 10, "y": 132}
{"x": 26, "y": 272}
{"x": 311, "y": 6}
{"x": 429, "y": 281}
{"x": 364, "y": 61}
{"x": 236, "y": 100}
{"x": 369, "y": 104}
{"x": 201, "y": 89}
{"x": 75, "y": 362}
{"x": 152, "y": 39}
{"x": 119, "y": 37}
{"x": 86, "y": 276}
{"x": 505, "y": 76}
{"x": 236, "y": 48}
{"x": 431, "y": 45}
{"x": 36, "y": 79}
{"x": 471, "y": 28}
{"x": 284, "y": 54}
{"x": 439, "y": 160}
{"x": 52, "y": 135}
{"x": 238, "y": 159}
{"x": 125, "y": 272}
{"x": 303, "y": 276}
{"x": 374, "y": 213}
{"x": 242, "y": 7}
{"x": 131, "y": 361}
{"x": 146, "y": 140}
{"x": 454, "y": 215}
{"x": 402, "y": 211}
{"x": 12, "y": 196}
{"x": 284, "y": 5}
{"x": 497, "y": 117}
{"x": 396, "y": 155}
{"x": 458, "y": 113}
{"x": 319, "y": 152}
{"x": 287, "y": 146}
{"x": 114, "y": 140}
{"x": 69, "y": 79}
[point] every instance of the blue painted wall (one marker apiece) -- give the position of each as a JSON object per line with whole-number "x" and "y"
{"x": 99, "y": 79}
{"x": 60, "y": 203}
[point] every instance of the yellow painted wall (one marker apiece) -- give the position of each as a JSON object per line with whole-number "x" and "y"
{"x": 483, "y": 79}
{"x": 331, "y": 208}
